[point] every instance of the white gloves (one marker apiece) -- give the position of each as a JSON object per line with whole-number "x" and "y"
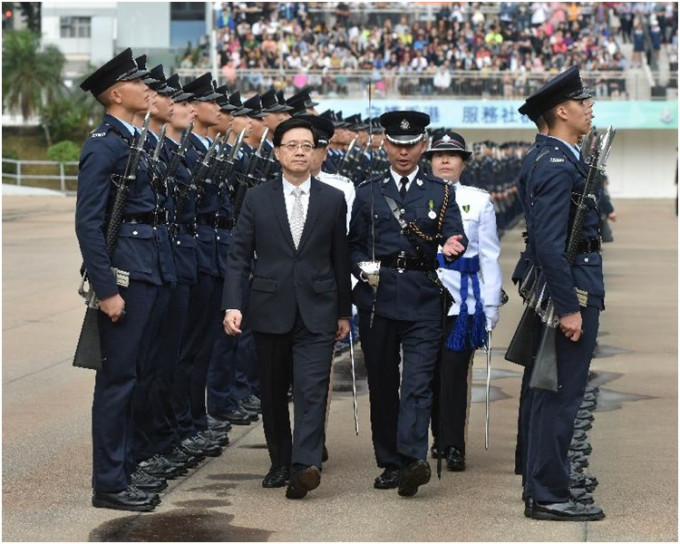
{"x": 491, "y": 313}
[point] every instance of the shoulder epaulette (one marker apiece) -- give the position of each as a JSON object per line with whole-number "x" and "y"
{"x": 477, "y": 189}
{"x": 367, "y": 181}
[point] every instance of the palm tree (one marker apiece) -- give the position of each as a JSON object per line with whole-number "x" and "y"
{"x": 28, "y": 74}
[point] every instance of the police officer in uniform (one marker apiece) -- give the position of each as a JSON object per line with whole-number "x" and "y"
{"x": 551, "y": 180}
{"x": 126, "y": 306}
{"x": 402, "y": 219}
{"x": 474, "y": 282}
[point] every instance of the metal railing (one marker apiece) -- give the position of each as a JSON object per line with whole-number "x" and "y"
{"x": 631, "y": 84}
{"x": 19, "y": 171}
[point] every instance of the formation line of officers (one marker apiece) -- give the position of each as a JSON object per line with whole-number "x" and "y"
{"x": 243, "y": 250}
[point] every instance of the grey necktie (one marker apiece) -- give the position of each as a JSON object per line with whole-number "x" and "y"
{"x": 297, "y": 216}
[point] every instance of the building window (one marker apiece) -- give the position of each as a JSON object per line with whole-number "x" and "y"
{"x": 187, "y": 11}
{"x": 75, "y": 27}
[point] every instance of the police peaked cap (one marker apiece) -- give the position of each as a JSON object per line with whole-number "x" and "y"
{"x": 355, "y": 123}
{"x": 254, "y": 104}
{"x": 161, "y": 86}
{"x": 235, "y": 100}
{"x": 223, "y": 100}
{"x": 282, "y": 100}
{"x": 324, "y": 128}
{"x": 270, "y": 104}
{"x": 404, "y": 127}
{"x": 451, "y": 142}
{"x": 179, "y": 95}
{"x": 122, "y": 67}
{"x": 331, "y": 116}
{"x": 203, "y": 88}
{"x": 565, "y": 86}
{"x": 300, "y": 102}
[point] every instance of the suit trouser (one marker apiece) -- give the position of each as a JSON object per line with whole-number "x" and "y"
{"x": 451, "y": 389}
{"x": 551, "y": 420}
{"x": 112, "y": 424}
{"x": 399, "y": 425}
{"x": 305, "y": 357}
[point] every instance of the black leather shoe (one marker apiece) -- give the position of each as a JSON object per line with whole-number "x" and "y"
{"x": 588, "y": 405}
{"x": 324, "y": 454}
{"x": 389, "y": 479}
{"x": 303, "y": 480}
{"x": 217, "y": 437}
{"x": 579, "y": 435}
{"x": 582, "y": 447}
{"x": 434, "y": 450}
{"x": 585, "y": 414}
{"x": 146, "y": 482}
{"x": 180, "y": 457}
{"x": 217, "y": 424}
{"x": 130, "y": 498}
{"x": 252, "y": 404}
{"x": 236, "y": 416}
{"x": 413, "y": 475}
{"x": 566, "y": 511}
{"x": 455, "y": 460}
{"x": 160, "y": 467}
{"x": 252, "y": 414}
{"x": 582, "y": 424}
{"x": 197, "y": 443}
{"x": 578, "y": 494}
{"x": 276, "y": 477}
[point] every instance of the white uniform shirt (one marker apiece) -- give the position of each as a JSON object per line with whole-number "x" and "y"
{"x": 479, "y": 223}
{"x": 343, "y": 184}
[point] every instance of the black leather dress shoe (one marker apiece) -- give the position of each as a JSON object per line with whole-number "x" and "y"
{"x": 252, "y": 404}
{"x": 160, "y": 467}
{"x": 413, "y": 475}
{"x": 146, "y": 482}
{"x": 434, "y": 450}
{"x": 578, "y": 494}
{"x": 276, "y": 477}
{"x": 206, "y": 448}
{"x": 218, "y": 437}
{"x": 130, "y": 498}
{"x": 302, "y": 480}
{"x": 566, "y": 511}
{"x": 389, "y": 479}
{"x": 252, "y": 414}
{"x": 217, "y": 424}
{"x": 579, "y": 435}
{"x": 588, "y": 405}
{"x": 180, "y": 457}
{"x": 582, "y": 424}
{"x": 455, "y": 460}
{"x": 324, "y": 454}
{"x": 237, "y": 416}
{"x": 583, "y": 447}
{"x": 585, "y": 414}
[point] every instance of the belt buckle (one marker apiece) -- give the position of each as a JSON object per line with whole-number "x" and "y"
{"x": 401, "y": 263}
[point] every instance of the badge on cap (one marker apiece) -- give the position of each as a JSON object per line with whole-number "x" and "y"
{"x": 446, "y": 138}
{"x": 405, "y": 125}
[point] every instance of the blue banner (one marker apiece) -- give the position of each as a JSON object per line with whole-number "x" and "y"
{"x": 495, "y": 114}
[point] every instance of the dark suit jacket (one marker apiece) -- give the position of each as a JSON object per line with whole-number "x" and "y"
{"x": 314, "y": 279}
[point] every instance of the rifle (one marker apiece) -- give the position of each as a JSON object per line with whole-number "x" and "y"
{"x": 154, "y": 163}
{"x": 231, "y": 162}
{"x": 544, "y": 375}
{"x": 88, "y": 350}
{"x": 248, "y": 179}
{"x": 201, "y": 171}
{"x": 345, "y": 157}
{"x": 181, "y": 191}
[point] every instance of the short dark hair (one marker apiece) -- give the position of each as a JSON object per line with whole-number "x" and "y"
{"x": 290, "y": 124}
{"x": 550, "y": 116}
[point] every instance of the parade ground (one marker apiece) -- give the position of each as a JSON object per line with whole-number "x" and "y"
{"x": 46, "y": 454}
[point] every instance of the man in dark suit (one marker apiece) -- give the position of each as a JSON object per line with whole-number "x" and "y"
{"x": 299, "y": 302}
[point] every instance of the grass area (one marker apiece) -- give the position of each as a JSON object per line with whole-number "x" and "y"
{"x": 29, "y": 144}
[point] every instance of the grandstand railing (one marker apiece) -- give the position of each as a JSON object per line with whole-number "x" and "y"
{"x": 629, "y": 84}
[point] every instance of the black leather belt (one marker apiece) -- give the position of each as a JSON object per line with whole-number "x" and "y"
{"x": 184, "y": 228}
{"x": 401, "y": 261}
{"x": 594, "y": 245}
{"x": 224, "y": 223}
{"x": 215, "y": 221}
{"x": 148, "y": 218}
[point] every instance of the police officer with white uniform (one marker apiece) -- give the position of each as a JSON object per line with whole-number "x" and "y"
{"x": 474, "y": 282}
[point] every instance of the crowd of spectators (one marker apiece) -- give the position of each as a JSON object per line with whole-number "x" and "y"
{"x": 507, "y": 48}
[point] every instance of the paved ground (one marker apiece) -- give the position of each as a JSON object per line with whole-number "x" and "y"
{"x": 46, "y": 418}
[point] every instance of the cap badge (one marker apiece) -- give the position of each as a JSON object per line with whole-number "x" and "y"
{"x": 446, "y": 138}
{"x": 405, "y": 125}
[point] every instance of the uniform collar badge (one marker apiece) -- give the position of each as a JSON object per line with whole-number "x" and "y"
{"x": 466, "y": 208}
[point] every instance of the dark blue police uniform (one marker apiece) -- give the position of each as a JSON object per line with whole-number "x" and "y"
{"x": 406, "y": 310}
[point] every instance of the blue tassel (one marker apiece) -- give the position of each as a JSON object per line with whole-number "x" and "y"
{"x": 458, "y": 338}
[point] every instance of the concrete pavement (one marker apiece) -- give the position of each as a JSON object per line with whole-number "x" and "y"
{"x": 46, "y": 416}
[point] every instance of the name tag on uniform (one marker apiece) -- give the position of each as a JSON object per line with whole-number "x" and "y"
{"x": 555, "y": 159}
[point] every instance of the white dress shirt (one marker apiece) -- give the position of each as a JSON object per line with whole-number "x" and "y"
{"x": 397, "y": 178}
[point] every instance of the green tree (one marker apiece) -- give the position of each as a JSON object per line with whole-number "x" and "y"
{"x": 29, "y": 75}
